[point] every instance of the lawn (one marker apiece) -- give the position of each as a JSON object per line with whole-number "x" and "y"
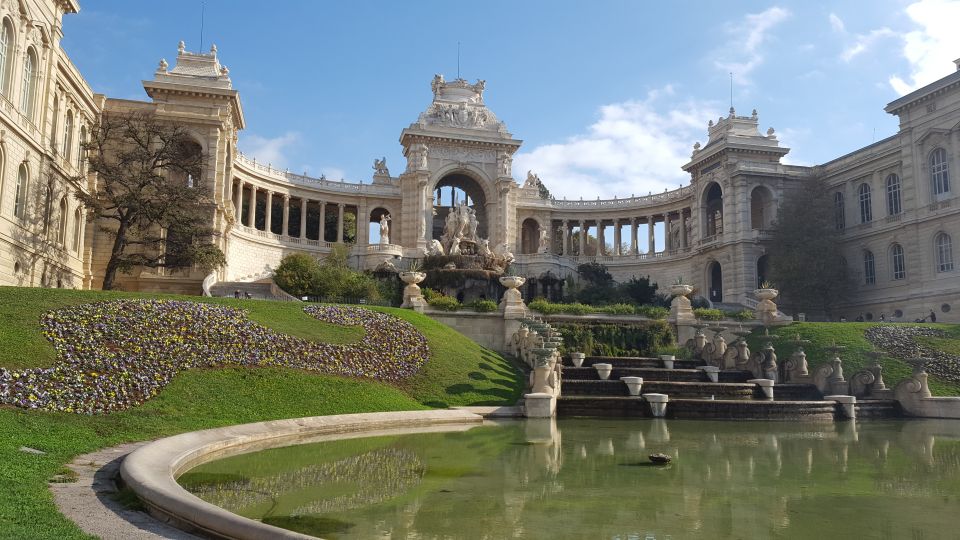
{"x": 854, "y": 356}
{"x": 458, "y": 372}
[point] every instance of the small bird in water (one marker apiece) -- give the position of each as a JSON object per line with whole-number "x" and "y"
{"x": 660, "y": 458}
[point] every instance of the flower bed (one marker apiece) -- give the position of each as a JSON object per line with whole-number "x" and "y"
{"x": 115, "y": 355}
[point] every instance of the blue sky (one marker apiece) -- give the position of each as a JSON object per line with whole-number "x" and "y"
{"x": 608, "y": 96}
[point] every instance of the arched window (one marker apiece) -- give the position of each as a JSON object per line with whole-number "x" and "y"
{"x": 77, "y": 224}
{"x": 81, "y": 152}
{"x": 20, "y": 198}
{"x": 62, "y": 223}
{"x": 838, "y": 214}
{"x": 866, "y": 210}
{"x": 869, "y": 268}
{"x": 6, "y": 55}
{"x": 944, "y": 247}
{"x": 29, "y": 83}
{"x": 68, "y": 136}
{"x": 897, "y": 262}
{"x": 893, "y": 195}
{"x": 939, "y": 171}
{"x": 54, "y": 119}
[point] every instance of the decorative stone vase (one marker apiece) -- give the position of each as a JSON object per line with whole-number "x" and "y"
{"x": 511, "y": 305}
{"x": 634, "y": 384}
{"x": 713, "y": 373}
{"x": 680, "y": 309}
{"x": 766, "y": 310}
{"x": 603, "y": 370}
{"x": 667, "y": 360}
{"x": 658, "y": 404}
{"x": 577, "y": 358}
{"x": 681, "y": 289}
{"x": 412, "y": 296}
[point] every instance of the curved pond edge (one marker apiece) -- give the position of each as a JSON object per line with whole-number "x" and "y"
{"x": 151, "y": 471}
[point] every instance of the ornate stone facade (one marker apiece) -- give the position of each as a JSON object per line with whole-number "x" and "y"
{"x": 895, "y": 200}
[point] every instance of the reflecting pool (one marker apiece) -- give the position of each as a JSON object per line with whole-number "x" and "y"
{"x": 590, "y": 478}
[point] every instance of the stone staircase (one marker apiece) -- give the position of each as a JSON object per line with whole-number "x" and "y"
{"x": 264, "y": 289}
{"x": 693, "y": 395}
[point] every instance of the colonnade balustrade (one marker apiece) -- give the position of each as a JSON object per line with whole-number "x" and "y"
{"x": 246, "y": 193}
{"x": 576, "y": 239}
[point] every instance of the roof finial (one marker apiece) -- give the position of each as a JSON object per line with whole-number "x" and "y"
{"x": 181, "y": 47}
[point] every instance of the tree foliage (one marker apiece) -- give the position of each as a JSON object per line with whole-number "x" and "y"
{"x": 151, "y": 194}
{"x": 806, "y": 264}
{"x": 301, "y": 275}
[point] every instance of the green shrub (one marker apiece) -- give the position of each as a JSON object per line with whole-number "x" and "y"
{"x": 444, "y": 303}
{"x": 547, "y": 308}
{"x": 297, "y": 274}
{"x": 742, "y": 315}
{"x": 708, "y": 314}
{"x": 618, "y": 309}
{"x": 653, "y": 312}
{"x": 429, "y": 294}
{"x": 680, "y": 353}
{"x": 640, "y": 339}
{"x": 483, "y": 306}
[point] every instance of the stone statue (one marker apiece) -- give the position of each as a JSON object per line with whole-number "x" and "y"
{"x": 454, "y": 246}
{"x": 472, "y": 225}
{"x": 532, "y": 180}
{"x": 435, "y": 248}
{"x": 380, "y": 167}
{"x": 385, "y": 229}
{"x": 503, "y": 251}
{"x": 504, "y": 162}
{"x": 544, "y": 243}
{"x": 436, "y": 83}
{"x": 483, "y": 247}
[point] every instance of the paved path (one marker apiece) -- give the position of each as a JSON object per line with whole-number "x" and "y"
{"x": 88, "y": 502}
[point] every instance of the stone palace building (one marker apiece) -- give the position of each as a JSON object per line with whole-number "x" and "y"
{"x": 895, "y": 200}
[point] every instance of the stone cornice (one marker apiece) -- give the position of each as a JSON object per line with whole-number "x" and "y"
{"x": 928, "y": 92}
{"x": 412, "y": 135}
{"x": 155, "y": 89}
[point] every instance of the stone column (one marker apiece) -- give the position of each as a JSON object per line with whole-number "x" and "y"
{"x": 683, "y": 230}
{"x": 565, "y": 246}
{"x": 667, "y": 241}
{"x": 583, "y": 239}
{"x": 653, "y": 245}
{"x": 340, "y": 223}
{"x": 285, "y": 227}
{"x": 616, "y": 237}
{"x": 633, "y": 236}
{"x": 601, "y": 238}
{"x": 239, "y": 202}
{"x": 252, "y": 207}
{"x": 268, "y": 218}
{"x": 322, "y": 226}
{"x": 363, "y": 225}
{"x": 303, "y": 217}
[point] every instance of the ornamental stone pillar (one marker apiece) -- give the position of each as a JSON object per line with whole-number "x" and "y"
{"x": 268, "y": 218}
{"x": 616, "y": 237}
{"x": 285, "y": 226}
{"x": 583, "y": 239}
{"x": 667, "y": 240}
{"x": 652, "y": 246}
{"x": 239, "y": 203}
{"x": 340, "y": 223}
{"x": 303, "y": 217}
{"x": 601, "y": 238}
{"x": 252, "y": 207}
{"x": 683, "y": 230}
{"x": 322, "y": 226}
{"x": 633, "y": 236}
{"x": 565, "y": 242}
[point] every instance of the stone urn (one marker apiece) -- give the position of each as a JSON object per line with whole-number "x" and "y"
{"x": 680, "y": 309}
{"x": 681, "y": 289}
{"x": 634, "y": 384}
{"x": 766, "y": 310}
{"x": 667, "y": 360}
{"x": 603, "y": 370}
{"x": 412, "y": 296}
{"x": 577, "y": 358}
{"x": 511, "y": 305}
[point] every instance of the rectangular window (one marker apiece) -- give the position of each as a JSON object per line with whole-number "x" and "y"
{"x": 838, "y": 214}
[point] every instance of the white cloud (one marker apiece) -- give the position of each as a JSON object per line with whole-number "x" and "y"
{"x": 865, "y": 41}
{"x": 635, "y": 147}
{"x": 269, "y": 150}
{"x": 837, "y": 23}
{"x": 743, "y": 53}
{"x": 931, "y": 48}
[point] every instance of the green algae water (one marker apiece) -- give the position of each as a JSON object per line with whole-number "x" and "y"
{"x": 591, "y": 478}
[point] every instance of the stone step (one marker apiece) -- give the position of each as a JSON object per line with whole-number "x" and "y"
{"x": 654, "y": 374}
{"x": 878, "y": 408}
{"x": 671, "y": 388}
{"x": 568, "y": 406}
{"x": 796, "y": 392}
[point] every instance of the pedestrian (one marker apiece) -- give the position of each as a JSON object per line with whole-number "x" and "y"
{"x": 883, "y": 317}
{"x": 933, "y": 316}
{"x": 236, "y": 293}
{"x": 246, "y": 294}
{"x": 860, "y": 318}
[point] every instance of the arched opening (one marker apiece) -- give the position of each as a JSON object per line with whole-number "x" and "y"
{"x": 762, "y": 270}
{"x": 29, "y": 83}
{"x": 190, "y": 154}
{"x": 459, "y": 209}
{"x": 762, "y": 211}
{"x": 713, "y": 210}
{"x": 20, "y": 197}
{"x": 380, "y": 227}
{"x": 529, "y": 236}
{"x": 62, "y": 223}
{"x": 77, "y": 227}
{"x": 715, "y": 275}
{"x": 68, "y": 137}
{"x": 6, "y": 55}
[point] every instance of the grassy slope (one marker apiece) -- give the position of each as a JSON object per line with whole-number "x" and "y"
{"x": 459, "y": 372}
{"x": 850, "y": 335}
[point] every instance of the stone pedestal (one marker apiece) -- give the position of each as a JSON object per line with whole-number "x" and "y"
{"x": 412, "y": 295}
{"x": 847, "y": 405}
{"x": 634, "y": 384}
{"x": 765, "y": 385}
{"x": 511, "y": 305}
{"x": 658, "y": 404}
{"x": 713, "y": 372}
{"x": 540, "y": 405}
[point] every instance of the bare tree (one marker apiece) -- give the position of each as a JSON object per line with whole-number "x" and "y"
{"x": 150, "y": 193}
